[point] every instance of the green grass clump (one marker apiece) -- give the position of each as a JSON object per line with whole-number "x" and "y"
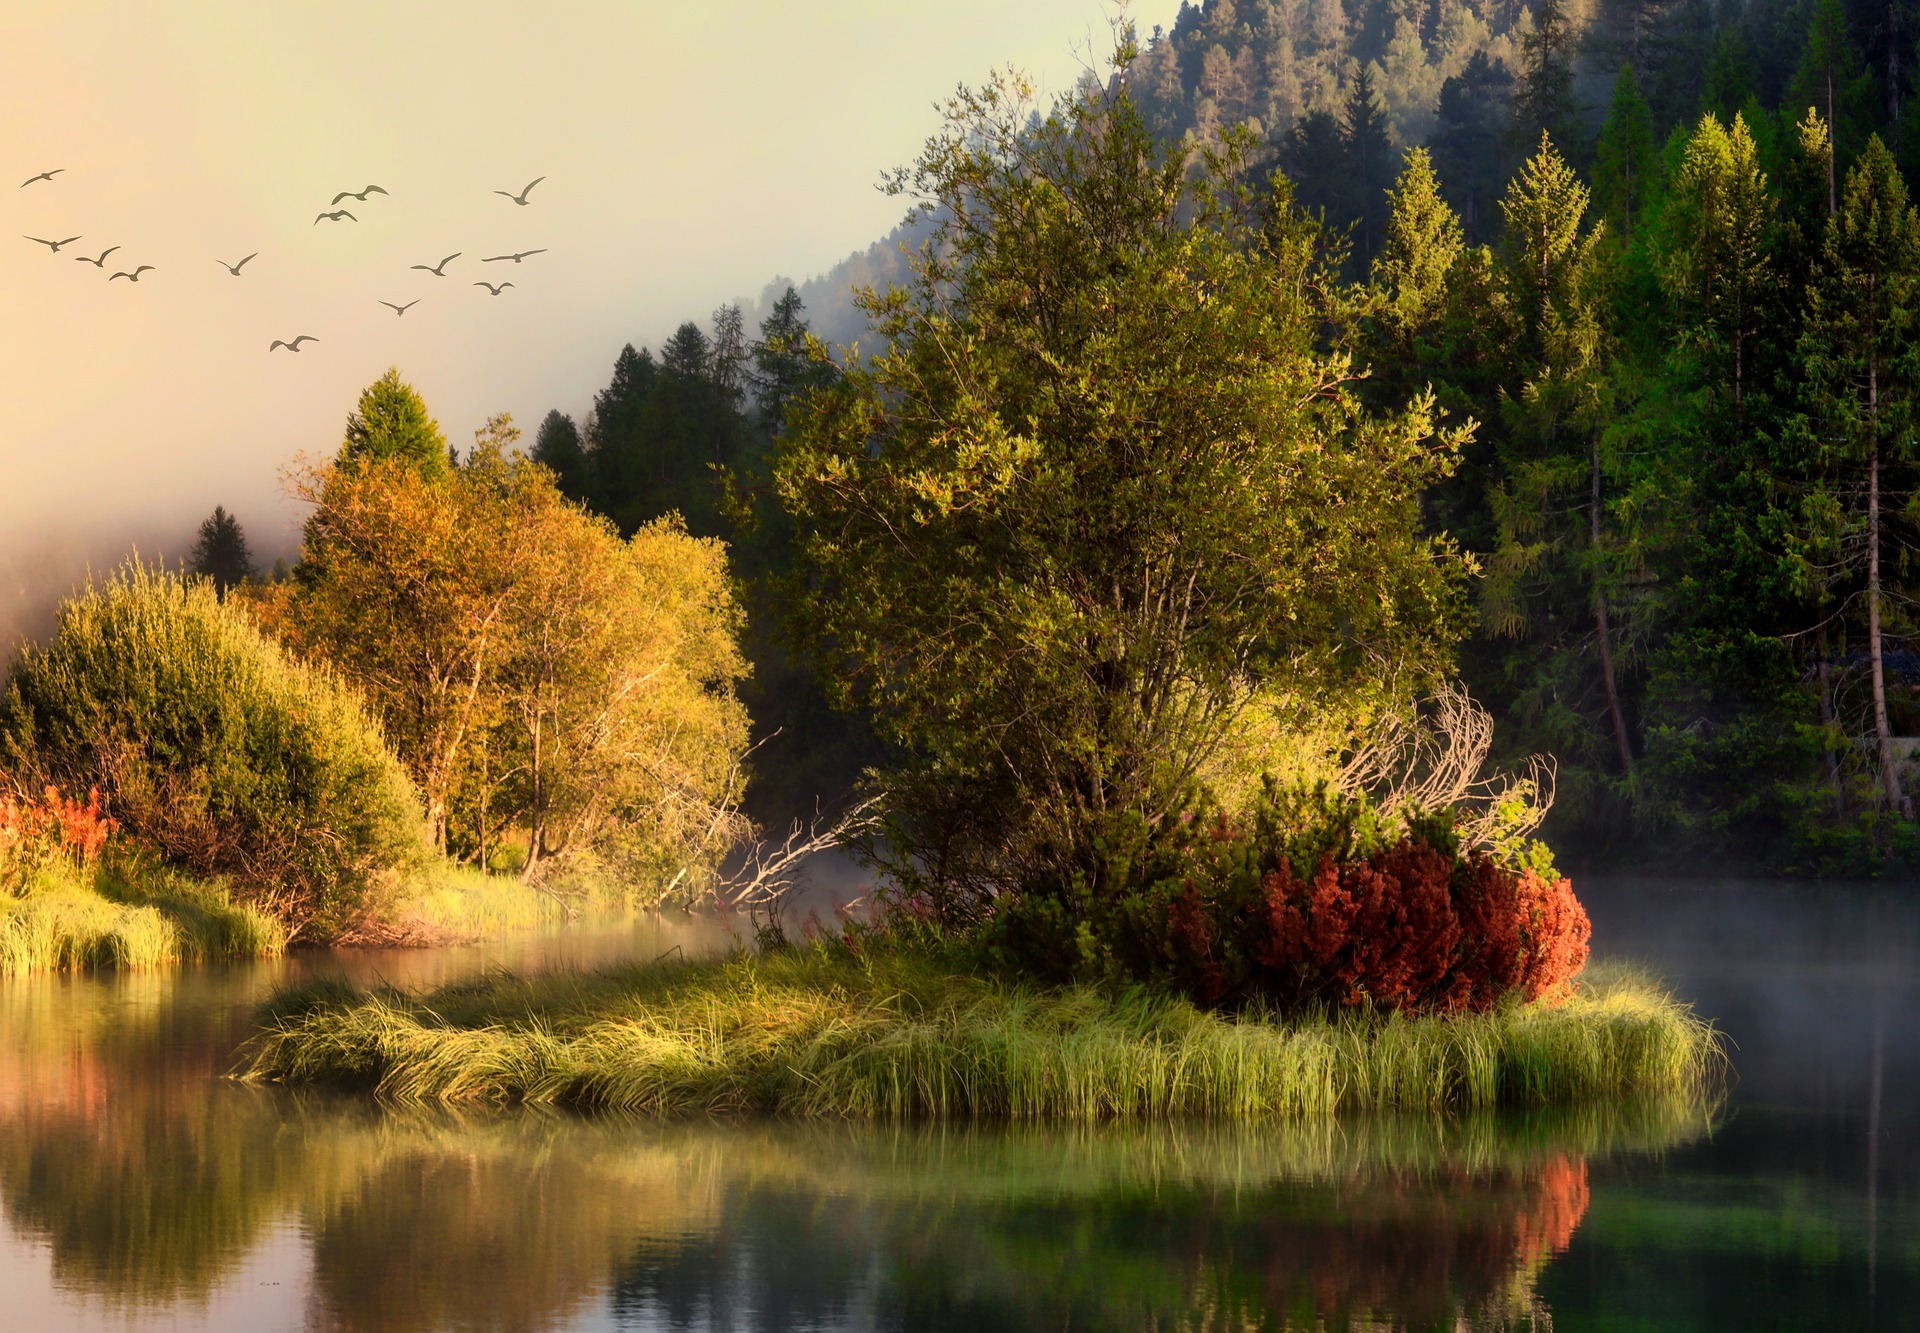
{"x": 460, "y": 902}
{"x": 130, "y": 917}
{"x": 820, "y": 1032}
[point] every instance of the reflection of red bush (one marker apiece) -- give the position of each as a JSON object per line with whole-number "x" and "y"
{"x": 1411, "y": 928}
{"x": 1411, "y": 1250}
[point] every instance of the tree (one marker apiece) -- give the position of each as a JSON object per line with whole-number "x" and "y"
{"x": 1543, "y": 91}
{"x": 1101, "y": 489}
{"x": 221, "y": 553}
{"x": 1830, "y": 78}
{"x": 1369, "y": 148}
{"x": 783, "y": 367}
{"x": 557, "y": 447}
{"x": 1470, "y": 138}
{"x": 1717, "y": 270}
{"x": 1859, "y": 397}
{"x": 1421, "y": 244}
{"x": 390, "y": 422}
{"x": 1624, "y": 173}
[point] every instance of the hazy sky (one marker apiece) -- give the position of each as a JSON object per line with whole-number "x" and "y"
{"x": 692, "y": 151}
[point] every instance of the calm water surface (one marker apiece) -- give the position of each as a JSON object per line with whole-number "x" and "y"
{"x": 140, "y": 1189}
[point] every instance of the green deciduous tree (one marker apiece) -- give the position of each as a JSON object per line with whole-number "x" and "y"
{"x": 1104, "y": 487}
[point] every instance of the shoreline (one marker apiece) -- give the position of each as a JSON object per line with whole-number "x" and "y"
{"x": 819, "y": 1032}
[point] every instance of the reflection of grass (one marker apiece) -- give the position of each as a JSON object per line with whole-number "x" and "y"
{"x": 127, "y": 916}
{"x": 819, "y": 1032}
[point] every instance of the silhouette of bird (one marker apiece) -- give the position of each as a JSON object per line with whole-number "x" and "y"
{"x": 440, "y": 270}
{"x": 335, "y": 216}
{"x": 235, "y": 268}
{"x": 521, "y": 198}
{"x": 54, "y": 245}
{"x": 293, "y": 346}
{"x": 493, "y": 290}
{"x": 101, "y": 262}
{"x": 515, "y": 258}
{"x": 43, "y": 176}
{"x": 133, "y": 276}
{"x": 362, "y": 196}
{"x": 401, "y": 309}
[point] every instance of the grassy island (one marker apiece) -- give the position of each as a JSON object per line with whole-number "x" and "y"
{"x": 820, "y": 1030}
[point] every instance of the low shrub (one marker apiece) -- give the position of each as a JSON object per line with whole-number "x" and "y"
{"x": 38, "y": 833}
{"x": 212, "y": 746}
{"x": 1310, "y": 900}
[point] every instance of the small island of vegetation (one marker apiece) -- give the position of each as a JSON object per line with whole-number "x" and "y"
{"x": 1177, "y": 809}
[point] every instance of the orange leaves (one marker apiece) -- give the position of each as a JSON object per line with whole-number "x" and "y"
{"x": 1409, "y": 928}
{"x": 38, "y": 833}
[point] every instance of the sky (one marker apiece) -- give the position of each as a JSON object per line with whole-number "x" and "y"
{"x": 691, "y": 153}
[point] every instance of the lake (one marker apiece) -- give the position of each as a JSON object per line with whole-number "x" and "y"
{"x": 142, "y": 1189}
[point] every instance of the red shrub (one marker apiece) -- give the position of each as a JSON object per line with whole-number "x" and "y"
{"x": 37, "y": 833}
{"x": 1412, "y": 929}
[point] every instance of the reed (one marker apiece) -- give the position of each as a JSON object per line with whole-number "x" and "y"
{"x": 130, "y": 917}
{"x": 820, "y": 1032}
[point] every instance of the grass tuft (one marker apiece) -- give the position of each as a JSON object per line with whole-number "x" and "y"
{"x": 818, "y": 1032}
{"x": 132, "y": 917}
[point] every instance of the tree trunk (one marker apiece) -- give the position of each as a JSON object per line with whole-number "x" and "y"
{"x": 1603, "y": 630}
{"x": 536, "y": 804}
{"x": 1883, "y": 732}
{"x": 1833, "y": 144}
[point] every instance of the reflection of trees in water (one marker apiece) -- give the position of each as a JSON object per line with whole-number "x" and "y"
{"x": 151, "y": 1181}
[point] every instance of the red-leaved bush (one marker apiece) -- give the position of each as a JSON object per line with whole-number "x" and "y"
{"x": 1412, "y": 928}
{"x": 38, "y": 832}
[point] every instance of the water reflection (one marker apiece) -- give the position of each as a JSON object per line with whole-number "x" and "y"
{"x": 139, "y": 1187}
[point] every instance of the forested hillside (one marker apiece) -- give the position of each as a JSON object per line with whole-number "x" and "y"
{"x": 1662, "y": 257}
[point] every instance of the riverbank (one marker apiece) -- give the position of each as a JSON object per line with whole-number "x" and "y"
{"x": 129, "y": 914}
{"x": 818, "y": 1031}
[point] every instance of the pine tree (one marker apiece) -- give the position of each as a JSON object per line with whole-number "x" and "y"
{"x": 1625, "y": 168}
{"x": 1470, "y": 140}
{"x": 391, "y": 421}
{"x": 1368, "y": 146}
{"x": 1418, "y": 251}
{"x": 781, "y": 365}
{"x": 221, "y": 553}
{"x": 1543, "y": 92}
{"x": 1831, "y": 79}
{"x": 1717, "y": 271}
{"x": 1859, "y": 333}
{"x": 557, "y": 446}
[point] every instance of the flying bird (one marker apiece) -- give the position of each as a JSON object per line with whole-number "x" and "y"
{"x": 493, "y": 290}
{"x": 362, "y": 196}
{"x": 43, "y": 176}
{"x": 521, "y": 198}
{"x": 515, "y": 258}
{"x": 133, "y": 276}
{"x": 335, "y": 216}
{"x": 55, "y": 245}
{"x": 235, "y": 268}
{"x": 398, "y": 309}
{"x": 293, "y": 346}
{"x": 101, "y": 262}
{"x": 440, "y": 270}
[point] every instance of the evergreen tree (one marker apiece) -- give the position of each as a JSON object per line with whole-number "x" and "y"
{"x": 1313, "y": 154}
{"x": 391, "y": 421}
{"x": 1470, "y": 141}
{"x": 1421, "y": 244}
{"x": 1368, "y": 163}
{"x": 1859, "y": 395}
{"x": 1831, "y": 80}
{"x": 1624, "y": 170}
{"x": 781, "y": 365}
{"x": 1543, "y": 91}
{"x": 557, "y": 446}
{"x": 1717, "y": 270}
{"x": 221, "y": 553}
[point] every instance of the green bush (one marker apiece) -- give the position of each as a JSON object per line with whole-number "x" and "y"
{"x": 216, "y": 749}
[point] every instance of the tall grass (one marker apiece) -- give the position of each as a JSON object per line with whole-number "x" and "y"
{"x": 818, "y": 1032}
{"x": 132, "y": 918}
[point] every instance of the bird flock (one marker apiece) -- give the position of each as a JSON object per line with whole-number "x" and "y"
{"x": 332, "y": 213}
